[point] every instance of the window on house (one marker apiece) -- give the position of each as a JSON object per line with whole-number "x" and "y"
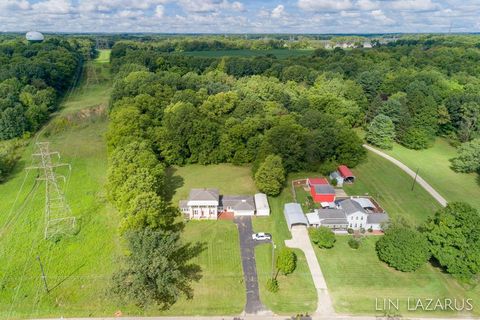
{"x": 355, "y": 225}
{"x": 356, "y": 217}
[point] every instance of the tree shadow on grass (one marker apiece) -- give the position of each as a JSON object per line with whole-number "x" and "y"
{"x": 172, "y": 183}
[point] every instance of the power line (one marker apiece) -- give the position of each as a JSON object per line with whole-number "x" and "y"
{"x": 58, "y": 217}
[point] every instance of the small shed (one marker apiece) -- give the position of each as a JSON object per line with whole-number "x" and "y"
{"x": 336, "y": 176}
{"x": 346, "y": 174}
{"x": 261, "y": 204}
{"x": 294, "y": 215}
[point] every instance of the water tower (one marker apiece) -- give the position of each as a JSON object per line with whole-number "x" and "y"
{"x": 34, "y": 36}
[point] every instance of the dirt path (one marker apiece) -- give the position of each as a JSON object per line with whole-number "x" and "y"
{"x": 411, "y": 173}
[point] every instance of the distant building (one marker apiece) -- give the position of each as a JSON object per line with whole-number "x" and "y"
{"x": 34, "y": 36}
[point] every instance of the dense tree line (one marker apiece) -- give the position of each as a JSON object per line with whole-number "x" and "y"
{"x": 450, "y": 238}
{"x": 32, "y": 77}
{"x": 427, "y": 87}
{"x": 214, "y": 117}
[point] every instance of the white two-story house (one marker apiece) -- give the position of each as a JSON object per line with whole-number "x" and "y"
{"x": 201, "y": 204}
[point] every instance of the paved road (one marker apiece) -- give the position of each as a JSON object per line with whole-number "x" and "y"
{"x": 301, "y": 240}
{"x": 411, "y": 173}
{"x": 264, "y": 317}
{"x": 247, "y": 248}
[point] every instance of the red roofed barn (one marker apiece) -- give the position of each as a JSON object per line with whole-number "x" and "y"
{"x": 321, "y": 190}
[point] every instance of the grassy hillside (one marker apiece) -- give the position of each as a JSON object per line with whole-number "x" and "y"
{"x": 434, "y": 167}
{"x": 77, "y": 269}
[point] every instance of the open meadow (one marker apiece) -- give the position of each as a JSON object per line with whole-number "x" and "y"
{"x": 434, "y": 166}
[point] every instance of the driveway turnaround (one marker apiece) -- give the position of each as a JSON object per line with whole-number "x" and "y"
{"x": 301, "y": 240}
{"x": 411, "y": 173}
{"x": 247, "y": 248}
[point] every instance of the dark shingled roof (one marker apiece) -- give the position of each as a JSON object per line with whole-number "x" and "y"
{"x": 204, "y": 195}
{"x": 239, "y": 202}
{"x": 349, "y": 206}
{"x": 332, "y": 216}
{"x": 324, "y": 189}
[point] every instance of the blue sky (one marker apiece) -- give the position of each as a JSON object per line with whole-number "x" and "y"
{"x": 241, "y": 16}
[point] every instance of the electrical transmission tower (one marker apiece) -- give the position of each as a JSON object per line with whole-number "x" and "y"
{"x": 58, "y": 216}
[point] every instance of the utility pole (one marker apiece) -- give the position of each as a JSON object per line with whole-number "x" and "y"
{"x": 273, "y": 258}
{"x": 43, "y": 274}
{"x": 415, "y": 180}
{"x": 58, "y": 217}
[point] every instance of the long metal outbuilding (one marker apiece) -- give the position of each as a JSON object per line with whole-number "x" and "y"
{"x": 294, "y": 215}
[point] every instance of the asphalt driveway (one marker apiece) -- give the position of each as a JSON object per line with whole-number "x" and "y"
{"x": 247, "y": 248}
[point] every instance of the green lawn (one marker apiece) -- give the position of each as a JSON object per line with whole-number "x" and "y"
{"x": 434, "y": 167}
{"x": 391, "y": 187}
{"x": 297, "y": 293}
{"x": 221, "y": 291}
{"x": 279, "y": 53}
{"x": 355, "y": 278}
{"x": 227, "y": 178}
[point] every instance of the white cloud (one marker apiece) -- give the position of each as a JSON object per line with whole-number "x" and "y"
{"x": 14, "y": 5}
{"x": 349, "y": 14}
{"x": 367, "y": 5}
{"x": 205, "y": 6}
{"x": 415, "y": 5}
{"x": 278, "y": 11}
{"x": 381, "y": 17}
{"x": 159, "y": 11}
{"x": 53, "y": 6}
{"x": 318, "y": 5}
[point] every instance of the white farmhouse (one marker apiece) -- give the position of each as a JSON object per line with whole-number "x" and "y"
{"x": 201, "y": 204}
{"x": 209, "y": 204}
{"x": 352, "y": 213}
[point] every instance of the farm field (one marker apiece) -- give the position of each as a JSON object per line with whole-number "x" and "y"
{"x": 391, "y": 187}
{"x": 434, "y": 167}
{"x": 356, "y": 277}
{"x": 279, "y": 53}
{"x": 297, "y": 293}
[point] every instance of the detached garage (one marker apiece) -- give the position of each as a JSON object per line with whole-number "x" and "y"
{"x": 261, "y": 204}
{"x": 294, "y": 215}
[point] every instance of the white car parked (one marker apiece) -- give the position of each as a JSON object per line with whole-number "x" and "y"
{"x": 261, "y": 236}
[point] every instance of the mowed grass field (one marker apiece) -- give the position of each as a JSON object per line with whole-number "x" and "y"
{"x": 392, "y": 188}
{"x": 434, "y": 167}
{"x": 355, "y": 278}
{"x": 279, "y": 53}
{"x": 297, "y": 293}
